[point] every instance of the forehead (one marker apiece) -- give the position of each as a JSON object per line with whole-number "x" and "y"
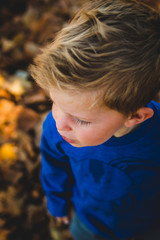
{"x": 91, "y": 99}
{"x": 73, "y": 101}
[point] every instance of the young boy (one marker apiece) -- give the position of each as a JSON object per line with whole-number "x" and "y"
{"x": 100, "y": 144}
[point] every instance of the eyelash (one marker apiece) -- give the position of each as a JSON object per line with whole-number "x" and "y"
{"x": 81, "y": 122}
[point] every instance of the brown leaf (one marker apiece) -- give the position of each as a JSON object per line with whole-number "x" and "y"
{"x": 27, "y": 119}
{"x": 36, "y": 97}
{"x": 7, "y": 44}
{"x": 25, "y": 145}
{"x": 9, "y": 203}
{"x": 2, "y": 223}
{"x": 4, "y": 233}
{"x": 17, "y": 86}
{"x": 8, "y": 118}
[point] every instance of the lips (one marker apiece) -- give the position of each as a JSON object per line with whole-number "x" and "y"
{"x": 68, "y": 140}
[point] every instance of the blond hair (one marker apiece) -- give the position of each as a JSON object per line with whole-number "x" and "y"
{"x": 112, "y": 45}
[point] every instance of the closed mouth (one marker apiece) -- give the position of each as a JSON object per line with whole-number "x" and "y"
{"x": 68, "y": 140}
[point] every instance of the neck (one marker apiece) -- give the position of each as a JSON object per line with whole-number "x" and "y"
{"x": 124, "y": 130}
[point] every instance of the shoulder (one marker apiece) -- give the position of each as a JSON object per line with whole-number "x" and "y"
{"x": 154, "y": 122}
{"x": 155, "y": 104}
{"x": 156, "y": 107}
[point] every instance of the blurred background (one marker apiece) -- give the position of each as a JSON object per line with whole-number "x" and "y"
{"x": 25, "y": 26}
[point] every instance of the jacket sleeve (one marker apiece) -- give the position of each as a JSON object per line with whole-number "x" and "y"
{"x": 56, "y": 175}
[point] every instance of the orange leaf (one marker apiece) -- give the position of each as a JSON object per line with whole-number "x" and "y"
{"x": 8, "y": 152}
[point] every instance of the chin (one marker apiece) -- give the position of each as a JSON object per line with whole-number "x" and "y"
{"x": 78, "y": 145}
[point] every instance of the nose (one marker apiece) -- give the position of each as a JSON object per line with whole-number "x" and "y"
{"x": 63, "y": 122}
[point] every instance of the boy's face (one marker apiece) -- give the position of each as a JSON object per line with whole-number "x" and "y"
{"x": 79, "y": 123}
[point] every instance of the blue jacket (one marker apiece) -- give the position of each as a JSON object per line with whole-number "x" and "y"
{"x": 114, "y": 187}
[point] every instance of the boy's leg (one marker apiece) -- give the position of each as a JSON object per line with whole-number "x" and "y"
{"x": 80, "y": 232}
{"x": 154, "y": 235}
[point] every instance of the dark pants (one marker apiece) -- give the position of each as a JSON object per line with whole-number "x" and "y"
{"x": 80, "y": 232}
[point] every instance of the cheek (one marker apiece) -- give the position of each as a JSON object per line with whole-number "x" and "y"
{"x": 53, "y": 111}
{"x": 84, "y": 134}
{"x": 91, "y": 136}
{"x": 95, "y": 136}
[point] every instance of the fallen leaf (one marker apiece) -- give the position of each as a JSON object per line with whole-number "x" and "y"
{"x": 8, "y": 120}
{"x": 4, "y": 94}
{"x": 4, "y": 234}
{"x": 15, "y": 87}
{"x": 27, "y": 119}
{"x": 25, "y": 144}
{"x": 8, "y": 152}
{"x": 2, "y": 81}
{"x": 2, "y": 223}
{"x": 31, "y": 49}
{"x": 10, "y": 203}
{"x": 7, "y": 44}
{"x": 36, "y": 97}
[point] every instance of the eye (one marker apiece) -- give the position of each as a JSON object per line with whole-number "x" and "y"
{"x": 81, "y": 122}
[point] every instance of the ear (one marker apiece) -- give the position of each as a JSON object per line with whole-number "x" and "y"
{"x": 140, "y": 116}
